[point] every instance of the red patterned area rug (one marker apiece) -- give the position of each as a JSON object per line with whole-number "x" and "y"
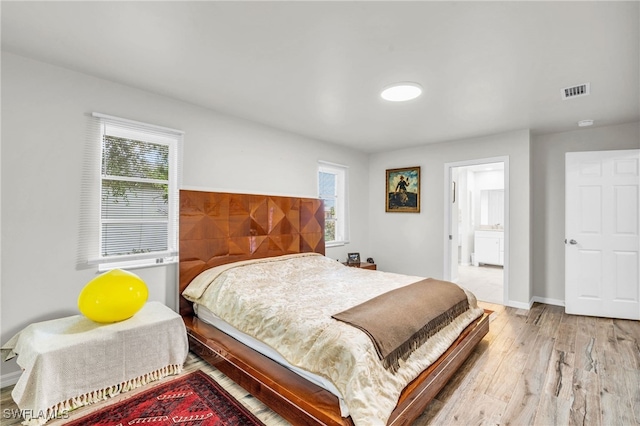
{"x": 192, "y": 400}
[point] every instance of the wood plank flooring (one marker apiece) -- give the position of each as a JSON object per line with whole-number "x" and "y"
{"x": 535, "y": 367}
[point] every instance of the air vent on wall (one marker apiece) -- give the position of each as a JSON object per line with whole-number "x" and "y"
{"x": 576, "y": 91}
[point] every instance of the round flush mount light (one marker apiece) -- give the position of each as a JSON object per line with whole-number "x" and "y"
{"x": 399, "y": 92}
{"x": 585, "y": 123}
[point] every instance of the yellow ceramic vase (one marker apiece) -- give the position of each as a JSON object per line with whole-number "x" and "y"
{"x": 113, "y": 296}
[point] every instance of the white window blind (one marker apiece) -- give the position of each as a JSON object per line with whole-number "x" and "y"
{"x": 139, "y": 172}
{"x": 332, "y": 189}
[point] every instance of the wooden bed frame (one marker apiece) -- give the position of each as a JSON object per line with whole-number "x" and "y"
{"x": 219, "y": 228}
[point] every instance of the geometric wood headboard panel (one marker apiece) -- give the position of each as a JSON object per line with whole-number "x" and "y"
{"x": 218, "y": 228}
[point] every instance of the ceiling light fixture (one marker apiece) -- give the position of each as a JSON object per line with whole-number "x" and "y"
{"x": 399, "y": 92}
{"x": 585, "y": 123}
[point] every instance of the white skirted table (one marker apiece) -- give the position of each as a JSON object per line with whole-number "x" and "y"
{"x": 73, "y": 361}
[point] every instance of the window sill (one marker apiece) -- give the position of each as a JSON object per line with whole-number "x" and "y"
{"x": 336, "y": 244}
{"x": 136, "y": 264}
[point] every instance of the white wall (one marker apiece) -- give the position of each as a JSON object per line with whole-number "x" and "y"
{"x": 548, "y": 165}
{"x": 413, "y": 243}
{"x": 44, "y": 125}
{"x": 493, "y": 179}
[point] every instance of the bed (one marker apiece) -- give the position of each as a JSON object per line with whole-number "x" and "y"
{"x": 224, "y": 235}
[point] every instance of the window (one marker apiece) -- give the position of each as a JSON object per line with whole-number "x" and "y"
{"x": 138, "y": 218}
{"x": 332, "y": 184}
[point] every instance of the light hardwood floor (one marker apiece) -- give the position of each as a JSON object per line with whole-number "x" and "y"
{"x": 536, "y": 367}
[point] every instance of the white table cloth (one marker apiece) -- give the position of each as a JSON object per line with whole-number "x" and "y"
{"x": 73, "y": 361}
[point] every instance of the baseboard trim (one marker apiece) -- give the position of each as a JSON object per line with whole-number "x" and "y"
{"x": 548, "y": 301}
{"x": 10, "y": 379}
{"x": 519, "y": 305}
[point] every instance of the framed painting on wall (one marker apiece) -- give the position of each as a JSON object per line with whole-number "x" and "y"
{"x": 403, "y": 190}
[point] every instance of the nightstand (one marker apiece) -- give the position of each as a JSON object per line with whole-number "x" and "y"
{"x": 363, "y": 265}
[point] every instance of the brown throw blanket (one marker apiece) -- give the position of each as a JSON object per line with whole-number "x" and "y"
{"x": 400, "y": 321}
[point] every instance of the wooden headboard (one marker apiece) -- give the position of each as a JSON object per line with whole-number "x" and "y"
{"x": 218, "y": 228}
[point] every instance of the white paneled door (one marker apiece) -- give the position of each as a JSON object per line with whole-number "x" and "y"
{"x": 602, "y": 221}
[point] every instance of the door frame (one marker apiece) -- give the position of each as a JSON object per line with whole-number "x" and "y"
{"x": 447, "y": 216}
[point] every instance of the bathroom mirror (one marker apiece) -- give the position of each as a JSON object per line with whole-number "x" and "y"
{"x": 492, "y": 208}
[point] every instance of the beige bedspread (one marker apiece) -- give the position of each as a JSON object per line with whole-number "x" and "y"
{"x": 268, "y": 298}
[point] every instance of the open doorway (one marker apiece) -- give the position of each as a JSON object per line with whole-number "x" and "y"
{"x": 477, "y": 227}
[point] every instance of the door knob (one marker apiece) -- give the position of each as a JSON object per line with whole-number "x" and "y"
{"x": 573, "y": 242}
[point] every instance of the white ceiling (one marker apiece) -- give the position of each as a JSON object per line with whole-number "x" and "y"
{"x": 316, "y": 68}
